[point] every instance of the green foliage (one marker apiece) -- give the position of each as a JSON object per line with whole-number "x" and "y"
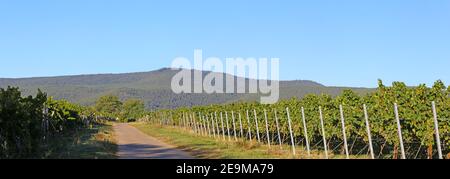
{"x": 27, "y": 123}
{"x": 132, "y": 109}
{"x": 108, "y": 106}
{"x": 19, "y": 123}
{"x": 414, "y": 104}
{"x": 111, "y": 107}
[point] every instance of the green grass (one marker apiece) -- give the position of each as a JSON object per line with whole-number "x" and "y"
{"x": 93, "y": 143}
{"x": 210, "y": 148}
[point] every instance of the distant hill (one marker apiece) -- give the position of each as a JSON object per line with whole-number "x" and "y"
{"x": 152, "y": 87}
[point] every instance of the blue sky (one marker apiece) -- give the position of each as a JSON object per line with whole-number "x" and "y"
{"x": 338, "y": 43}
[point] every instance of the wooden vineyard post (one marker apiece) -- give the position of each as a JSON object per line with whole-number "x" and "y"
{"x": 228, "y": 127}
{"x": 240, "y": 122}
{"x": 192, "y": 123}
{"x": 160, "y": 119}
{"x": 323, "y": 133}
{"x": 290, "y": 131}
{"x": 257, "y": 128}
{"x": 344, "y": 133}
{"x": 172, "y": 121}
{"x": 199, "y": 126}
{"x": 202, "y": 122}
{"x": 234, "y": 125}
{"x": 189, "y": 118}
{"x": 278, "y": 128}
{"x": 212, "y": 125}
{"x": 194, "y": 129}
{"x": 208, "y": 125}
{"x": 204, "y": 130}
{"x": 399, "y": 128}
{"x": 267, "y": 128}
{"x": 223, "y": 129}
{"x": 305, "y": 130}
{"x": 205, "y": 126}
{"x": 186, "y": 119}
{"x": 366, "y": 116}
{"x": 436, "y": 130}
{"x": 217, "y": 124}
{"x": 183, "y": 121}
{"x": 196, "y": 126}
{"x": 249, "y": 128}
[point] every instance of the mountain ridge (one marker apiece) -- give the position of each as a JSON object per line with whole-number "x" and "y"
{"x": 153, "y": 87}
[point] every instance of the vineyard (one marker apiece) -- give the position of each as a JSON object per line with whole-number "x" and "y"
{"x": 389, "y": 123}
{"x": 28, "y": 124}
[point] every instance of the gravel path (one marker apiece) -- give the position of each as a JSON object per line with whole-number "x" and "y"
{"x": 133, "y": 144}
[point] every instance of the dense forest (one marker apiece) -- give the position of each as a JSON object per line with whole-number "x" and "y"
{"x": 153, "y": 88}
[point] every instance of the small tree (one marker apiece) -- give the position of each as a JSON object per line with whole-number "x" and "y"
{"x": 108, "y": 105}
{"x": 132, "y": 110}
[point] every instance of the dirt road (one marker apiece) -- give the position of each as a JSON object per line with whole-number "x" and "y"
{"x": 133, "y": 144}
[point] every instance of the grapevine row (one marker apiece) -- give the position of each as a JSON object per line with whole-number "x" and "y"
{"x": 28, "y": 123}
{"x": 346, "y": 124}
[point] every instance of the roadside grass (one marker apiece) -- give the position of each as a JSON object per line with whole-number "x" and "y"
{"x": 217, "y": 148}
{"x": 96, "y": 142}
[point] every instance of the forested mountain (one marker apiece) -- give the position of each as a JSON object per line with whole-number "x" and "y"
{"x": 152, "y": 87}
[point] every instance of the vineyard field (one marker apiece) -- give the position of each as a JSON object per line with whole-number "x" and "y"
{"x": 392, "y": 122}
{"x": 29, "y": 126}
